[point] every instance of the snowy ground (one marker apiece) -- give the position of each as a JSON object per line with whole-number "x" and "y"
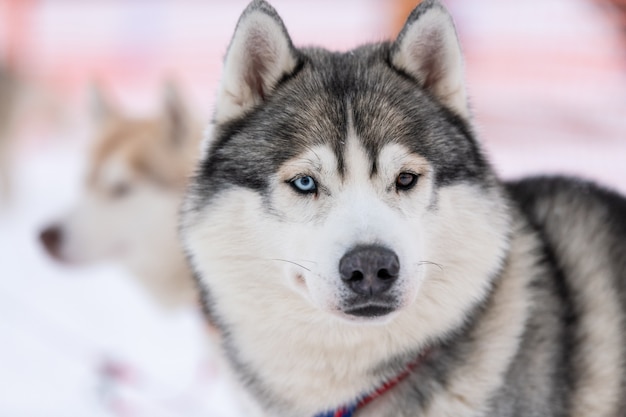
{"x": 549, "y": 96}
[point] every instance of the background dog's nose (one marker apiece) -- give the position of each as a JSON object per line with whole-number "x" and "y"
{"x": 51, "y": 238}
{"x": 369, "y": 270}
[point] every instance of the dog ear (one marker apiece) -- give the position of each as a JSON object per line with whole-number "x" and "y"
{"x": 259, "y": 55}
{"x": 428, "y": 49}
{"x": 102, "y": 110}
{"x": 177, "y": 119}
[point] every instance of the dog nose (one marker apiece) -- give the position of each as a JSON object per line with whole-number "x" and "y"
{"x": 51, "y": 238}
{"x": 369, "y": 270}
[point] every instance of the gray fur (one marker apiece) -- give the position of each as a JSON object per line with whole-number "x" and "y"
{"x": 329, "y": 93}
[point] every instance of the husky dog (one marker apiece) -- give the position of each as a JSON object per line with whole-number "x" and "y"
{"x": 137, "y": 174}
{"x": 360, "y": 257}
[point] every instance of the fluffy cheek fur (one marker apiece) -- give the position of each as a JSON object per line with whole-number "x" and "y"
{"x": 236, "y": 248}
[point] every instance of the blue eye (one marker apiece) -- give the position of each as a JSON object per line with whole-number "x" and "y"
{"x": 304, "y": 185}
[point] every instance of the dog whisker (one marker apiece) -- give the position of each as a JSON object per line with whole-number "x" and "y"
{"x": 307, "y": 261}
{"x": 292, "y": 262}
{"x": 431, "y": 263}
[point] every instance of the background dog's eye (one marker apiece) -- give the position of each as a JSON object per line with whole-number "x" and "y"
{"x": 406, "y": 181}
{"x": 305, "y": 185}
{"x": 120, "y": 190}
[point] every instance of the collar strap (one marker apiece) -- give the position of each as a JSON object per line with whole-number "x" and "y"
{"x": 349, "y": 410}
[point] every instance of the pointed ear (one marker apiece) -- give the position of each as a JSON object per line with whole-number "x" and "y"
{"x": 428, "y": 49}
{"x": 102, "y": 110}
{"x": 176, "y": 116}
{"x": 259, "y": 55}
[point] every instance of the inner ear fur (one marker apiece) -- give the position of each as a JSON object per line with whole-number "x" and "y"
{"x": 259, "y": 56}
{"x": 428, "y": 49}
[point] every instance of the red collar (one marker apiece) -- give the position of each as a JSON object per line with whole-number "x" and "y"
{"x": 348, "y": 411}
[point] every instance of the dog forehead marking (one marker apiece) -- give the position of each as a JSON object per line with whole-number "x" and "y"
{"x": 319, "y": 160}
{"x": 358, "y": 164}
{"x": 353, "y": 159}
{"x": 358, "y": 167}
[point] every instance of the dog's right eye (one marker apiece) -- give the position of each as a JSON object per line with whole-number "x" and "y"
{"x": 304, "y": 185}
{"x": 405, "y": 181}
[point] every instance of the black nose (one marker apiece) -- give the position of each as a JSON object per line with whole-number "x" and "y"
{"x": 51, "y": 238}
{"x": 369, "y": 270}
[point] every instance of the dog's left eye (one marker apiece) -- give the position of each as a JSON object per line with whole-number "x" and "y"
{"x": 120, "y": 190}
{"x": 304, "y": 185}
{"x": 405, "y": 181}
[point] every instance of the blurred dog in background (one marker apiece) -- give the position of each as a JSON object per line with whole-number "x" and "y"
{"x": 137, "y": 172}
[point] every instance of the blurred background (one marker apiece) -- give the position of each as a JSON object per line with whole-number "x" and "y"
{"x": 547, "y": 81}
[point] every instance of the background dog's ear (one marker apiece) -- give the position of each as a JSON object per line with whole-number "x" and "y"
{"x": 428, "y": 49}
{"x": 259, "y": 55}
{"x": 101, "y": 108}
{"x": 177, "y": 119}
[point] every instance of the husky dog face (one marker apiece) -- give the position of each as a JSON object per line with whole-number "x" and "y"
{"x": 354, "y": 229}
{"x": 348, "y": 160}
{"x": 127, "y": 212}
{"x": 342, "y": 198}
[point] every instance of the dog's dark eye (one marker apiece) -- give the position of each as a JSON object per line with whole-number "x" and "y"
{"x": 405, "y": 181}
{"x": 304, "y": 185}
{"x": 120, "y": 190}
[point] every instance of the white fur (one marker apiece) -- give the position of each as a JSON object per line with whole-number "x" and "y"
{"x": 501, "y": 329}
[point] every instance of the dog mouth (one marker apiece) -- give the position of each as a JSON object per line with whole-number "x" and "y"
{"x": 370, "y": 307}
{"x": 370, "y": 310}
